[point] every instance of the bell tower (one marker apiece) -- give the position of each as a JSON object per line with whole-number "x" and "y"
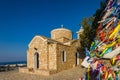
{"x": 79, "y": 32}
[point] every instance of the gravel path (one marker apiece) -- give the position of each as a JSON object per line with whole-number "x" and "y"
{"x": 72, "y": 74}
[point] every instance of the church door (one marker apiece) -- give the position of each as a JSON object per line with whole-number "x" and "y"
{"x": 36, "y": 60}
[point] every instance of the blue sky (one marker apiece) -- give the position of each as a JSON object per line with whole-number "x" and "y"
{"x": 21, "y": 20}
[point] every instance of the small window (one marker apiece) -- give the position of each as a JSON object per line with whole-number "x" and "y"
{"x": 63, "y": 56}
{"x": 77, "y": 58}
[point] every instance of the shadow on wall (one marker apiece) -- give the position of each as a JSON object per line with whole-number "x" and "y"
{"x": 82, "y": 55}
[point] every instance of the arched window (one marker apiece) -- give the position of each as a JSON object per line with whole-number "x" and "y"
{"x": 63, "y": 56}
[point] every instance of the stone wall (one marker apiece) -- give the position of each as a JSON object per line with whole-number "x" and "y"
{"x": 63, "y": 40}
{"x": 52, "y": 57}
{"x": 39, "y": 46}
{"x": 70, "y": 57}
{"x": 60, "y": 33}
{"x": 37, "y": 72}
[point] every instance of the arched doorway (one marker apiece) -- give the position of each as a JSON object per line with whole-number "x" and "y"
{"x": 36, "y": 60}
{"x": 77, "y": 58}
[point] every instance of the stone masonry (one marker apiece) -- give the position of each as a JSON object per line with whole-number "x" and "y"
{"x": 49, "y": 56}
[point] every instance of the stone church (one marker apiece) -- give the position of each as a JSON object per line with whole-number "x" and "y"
{"x": 46, "y": 56}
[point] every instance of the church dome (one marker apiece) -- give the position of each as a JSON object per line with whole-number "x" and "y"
{"x": 61, "y": 33}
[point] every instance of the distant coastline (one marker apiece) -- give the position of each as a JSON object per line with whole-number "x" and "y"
{"x": 13, "y": 62}
{"x": 8, "y": 66}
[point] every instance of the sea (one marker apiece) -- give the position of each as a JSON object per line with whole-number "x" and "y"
{"x": 13, "y": 62}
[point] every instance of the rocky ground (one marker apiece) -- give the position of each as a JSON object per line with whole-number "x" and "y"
{"x": 71, "y": 74}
